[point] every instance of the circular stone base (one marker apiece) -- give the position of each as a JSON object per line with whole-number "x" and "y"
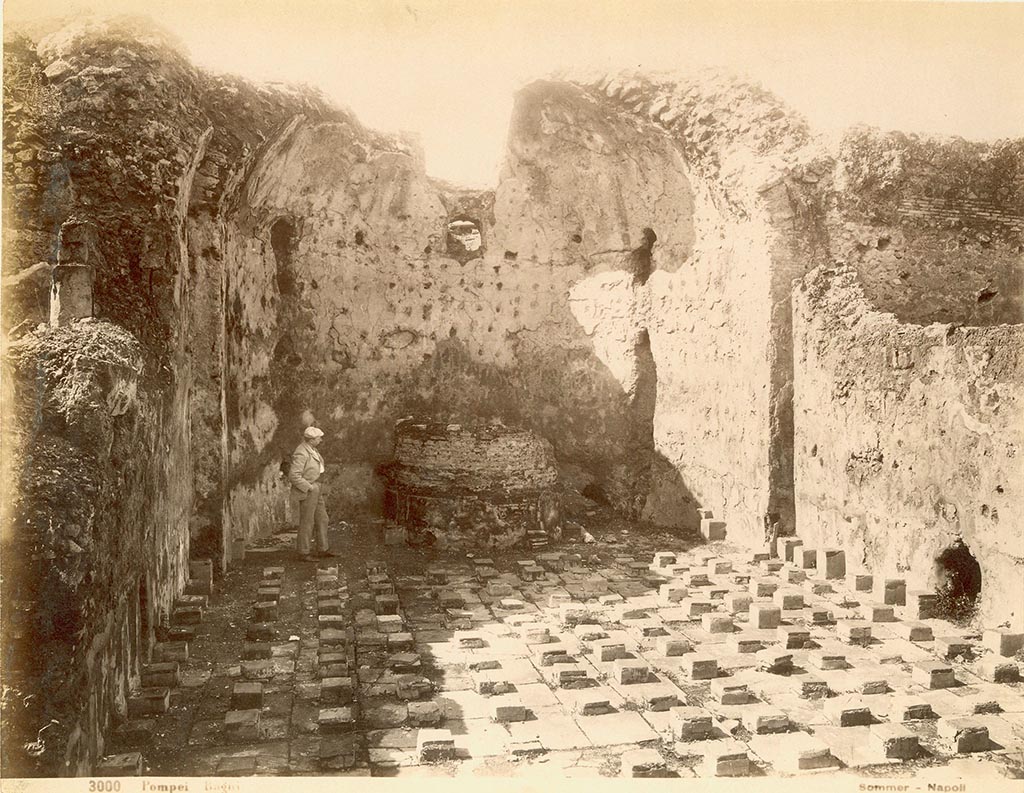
{"x": 474, "y": 486}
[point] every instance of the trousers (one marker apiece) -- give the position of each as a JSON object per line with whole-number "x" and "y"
{"x": 312, "y": 514}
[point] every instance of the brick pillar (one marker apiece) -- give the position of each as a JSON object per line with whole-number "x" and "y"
{"x": 71, "y": 291}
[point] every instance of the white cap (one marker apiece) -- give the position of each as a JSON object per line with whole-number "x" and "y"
{"x": 313, "y": 432}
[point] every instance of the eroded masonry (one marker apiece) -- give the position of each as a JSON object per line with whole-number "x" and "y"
{"x": 669, "y": 439}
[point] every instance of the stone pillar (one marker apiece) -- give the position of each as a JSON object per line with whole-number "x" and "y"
{"x": 71, "y": 291}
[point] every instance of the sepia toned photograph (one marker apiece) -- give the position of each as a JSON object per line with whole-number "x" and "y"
{"x": 512, "y": 393}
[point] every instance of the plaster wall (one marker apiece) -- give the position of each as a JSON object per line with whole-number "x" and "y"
{"x": 909, "y": 437}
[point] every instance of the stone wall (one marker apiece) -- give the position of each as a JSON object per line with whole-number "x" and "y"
{"x": 909, "y": 437}
{"x": 932, "y": 226}
{"x": 106, "y": 127}
{"x": 375, "y": 319}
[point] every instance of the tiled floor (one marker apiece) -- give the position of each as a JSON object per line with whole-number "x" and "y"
{"x": 464, "y": 629}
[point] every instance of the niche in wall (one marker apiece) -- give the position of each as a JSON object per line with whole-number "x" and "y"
{"x": 282, "y": 241}
{"x": 958, "y": 576}
{"x": 464, "y": 239}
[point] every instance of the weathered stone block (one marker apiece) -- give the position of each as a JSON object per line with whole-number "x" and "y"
{"x": 336, "y": 690}
{"x": 671, "y": 593}
{"x": 149, "y": 701}
{"x": 932, "y": 675}
{"x": 268, "y": 593}
{"x": 1002, "y": 642}
{"x": 716, "y": 623}
{"x": 242, "y": 726}
{"x": 729, "y": 760}
{"x": 952, "y": 647}
{"x": 964, "y": 735}
{"x": 629, "y": 671}
{"x": 728, "y": 692}
{"x": 848, "y": 712}
{"x": 999, "y": 670}
{"x": 696, "y": 578}
{"x": 914, "y": 631}
{"x": 333, "y": 637}
{"x": 860, "y": 582}
{"x": 712, "y": 530}
{"x": 261, "y": 632}
{"x": 336, "y": 719}
{"x": 435, "y": 745}
{"x": 792, "y": 638}
{"x": 414, "y": 687}
{"x": 700, "y": 667}
{"x": 788, "y": 599}
{"x": 161, "y": 675}
{"x": 507, "y": 708}
{"x": 893, "y": 741}
{"x": 572, "y": 614}
{"x": 691, "y": 724}
{"x": 386, "y": 604}
{"x": 738, "y": 602}
{"x": 738, "y": 643}
{"x": 670, "y": 646}
{"x": 873, "y": 612}
{"x": 499, "y": 589}
{"x": 569, "y": 676}
{"x": 763, "y": 587}
{"x": 697, "y": 607}
{"x": 880, "y": 686}
{"x": 813, "y": 687}
{"x": 827, "y": 661}
{"x": 854, "y": 631}
{"x": 791, "y": 547}
{"x": 330, "y": 607}
{"x": 765, "y": 615}
{"x": 258, "y": 670}
{"x": 254, "y": 650}
{"x": 533, "y": 635}
{"x": 608, "y": 650}
{"x": 765, "y": 720}
{"x": 719, "y": 567}
{"x": 264, "y": 612}
{"x": 921, "y": 605}
{"x": 425, "y": 714}
{"x": 891, "y": 591}
{"x": 774, "y": 660}
{"x": 592, "y": 704}
{"x": 910, "y": 708}
{"x": 247, "y": 696}
{"x": 831, "y": 563}
{"x": 803, "y": 753}
{"x": 643, "y": 764}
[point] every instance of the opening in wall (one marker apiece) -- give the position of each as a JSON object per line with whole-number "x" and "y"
{"x": 959, "y": 583}
{"x": 282, "y": 240}
{"x": 464, "y": 240}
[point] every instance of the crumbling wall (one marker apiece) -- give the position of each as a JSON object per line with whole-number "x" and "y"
{"x": 106, "y": 132}
{"x": 719, "y": 315}
{"x": 379, "y": 318}
{"x": 908, "y": 438}
{"x": 932, "y": 226}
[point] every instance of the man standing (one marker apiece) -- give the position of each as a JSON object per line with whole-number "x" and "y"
{"x": 307, "y": 495}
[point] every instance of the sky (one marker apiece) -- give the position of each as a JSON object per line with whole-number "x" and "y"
{"x": 448, "y": 69}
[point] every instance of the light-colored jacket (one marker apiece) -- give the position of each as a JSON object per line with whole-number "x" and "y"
{"x": 307, "y": 466}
